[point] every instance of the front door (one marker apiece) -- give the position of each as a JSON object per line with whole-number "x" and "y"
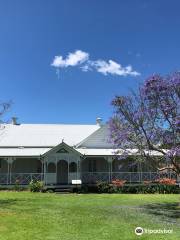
{"x": 62, "y": 172}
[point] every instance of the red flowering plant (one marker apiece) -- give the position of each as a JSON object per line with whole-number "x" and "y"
{"x": 118, "y": 182}
{"x": 166, "y": 181}
{"x": 147, "y": 182}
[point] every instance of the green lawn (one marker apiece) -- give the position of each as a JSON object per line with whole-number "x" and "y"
{"x": 32, "y": 216}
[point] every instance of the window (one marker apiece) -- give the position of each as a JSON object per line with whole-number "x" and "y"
{"x": 72, "y": 167}
{"x": 39, "y": 166}
{"x": 92, "y": 165}
{"x": 51, "y": 168}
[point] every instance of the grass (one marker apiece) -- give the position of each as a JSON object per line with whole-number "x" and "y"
{"x": 45, "y": 216}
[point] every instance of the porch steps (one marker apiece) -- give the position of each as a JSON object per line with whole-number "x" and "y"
{"x": 62, "y": 190}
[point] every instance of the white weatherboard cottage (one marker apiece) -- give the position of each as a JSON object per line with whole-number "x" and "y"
{"x": 59, "y": 153}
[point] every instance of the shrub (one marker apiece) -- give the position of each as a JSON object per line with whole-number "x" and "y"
{"x": 104, "y": 187}
{"x": 163, "y": 185}
{"x": 84, "y": 189}
{"x": 166, "y": 181}
{"x": 164, "y": 188}
{"x": 115, "y": 187}
{"x": 48, "y": 191}
{"x": 118, "y": 186}
{"x": 118, "y": 182}
{"x": 36, "y": 186}
{"x": 147, "y": 188}
{"x": 17, "y": 186}
{"x": 147, "y": 182}
{"x": 151, "y": 188}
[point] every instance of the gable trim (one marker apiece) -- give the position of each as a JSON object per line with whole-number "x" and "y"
{"x": 62, "y": 145}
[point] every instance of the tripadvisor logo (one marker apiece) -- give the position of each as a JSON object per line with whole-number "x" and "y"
{"x": 139, "y": 231}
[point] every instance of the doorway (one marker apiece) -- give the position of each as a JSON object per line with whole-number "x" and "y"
{"x": 62, "y": 172}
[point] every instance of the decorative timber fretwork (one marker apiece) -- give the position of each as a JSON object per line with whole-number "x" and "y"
{"x": 62, "y": 150}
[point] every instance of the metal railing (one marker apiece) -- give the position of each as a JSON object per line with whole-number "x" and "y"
{"x": 130, "y": 177}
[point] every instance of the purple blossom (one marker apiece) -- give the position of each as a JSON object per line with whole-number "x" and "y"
{"x": 150, "y": 119}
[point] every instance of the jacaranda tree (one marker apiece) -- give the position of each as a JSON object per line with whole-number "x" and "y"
{"x": 149, "y": 120}
{"x": 4, "y": 106}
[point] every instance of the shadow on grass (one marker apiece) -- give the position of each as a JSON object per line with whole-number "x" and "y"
{"x": 168, "y": 210}
{"x": 7, "y": 202}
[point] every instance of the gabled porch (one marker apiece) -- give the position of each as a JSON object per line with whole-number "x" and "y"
{"x": 57, "y": 166}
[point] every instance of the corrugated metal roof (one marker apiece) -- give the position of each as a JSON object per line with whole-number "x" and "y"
{"x": 44, "y": 135}
{"x": 96, "y": 152}
{"x": 22, "y": 152}
{"x": 98, "y": 139}
{"x": 109, "y": 152}
{"x": 37, "y": 139}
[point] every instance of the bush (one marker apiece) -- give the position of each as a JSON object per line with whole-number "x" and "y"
{"x": 118, "y": 183}
{"x": 48, "y": 190}
{"x": 17, "y": 186}
{"x": 115, "y": 187}
{"x": 36, "y": 186}
{"x": 104, "y": 187}
{"x": 163, "y": 185}
{"x": 163, "y": 188}
{"x": 149, "y": 188}
{"x": 166, "y": 181}
{"x": 85, "y": 188}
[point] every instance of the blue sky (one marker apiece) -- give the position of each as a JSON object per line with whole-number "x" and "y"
{"x": 143, "y": 34}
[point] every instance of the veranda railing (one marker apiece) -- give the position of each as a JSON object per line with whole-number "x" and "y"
{"x": 130, "y": 177}
{"x": 20, "y": 178}
{"x": 89, "y": 177}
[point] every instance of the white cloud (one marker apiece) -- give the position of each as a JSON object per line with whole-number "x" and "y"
{"x": 73, "y": 59}
{"x": 86, "y": 68}
{"x": 81, "y": 59}
{"x": 114, "y": 68}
